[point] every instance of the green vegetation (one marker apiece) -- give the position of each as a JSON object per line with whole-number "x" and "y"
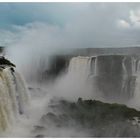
{"x": 92, "y": 112}
{"x": 100, "y": 119}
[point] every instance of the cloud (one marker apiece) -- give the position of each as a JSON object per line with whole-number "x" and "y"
{"x": 133, "y": 20}
{"x": 89, "y": 25}
{"x": 135, "y": 16}
{"x": 84, "y": 25}
{"x": 123, "y": 23}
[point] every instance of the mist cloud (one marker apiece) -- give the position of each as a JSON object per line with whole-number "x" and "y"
{"x": 85, "y": 25}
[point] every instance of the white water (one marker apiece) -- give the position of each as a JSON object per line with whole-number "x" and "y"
{"x": 80, "y": 65}
{"x": 87, "y": 67}
{"x": 135, "y": 102}
{"x": 73, "y": 85}
{"x": 13, "y": 98}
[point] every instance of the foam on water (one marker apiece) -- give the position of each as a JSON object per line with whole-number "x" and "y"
{"x": 13, "y": 97}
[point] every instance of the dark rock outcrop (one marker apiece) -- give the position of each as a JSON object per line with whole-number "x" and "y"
{"x": 100, "y": 119}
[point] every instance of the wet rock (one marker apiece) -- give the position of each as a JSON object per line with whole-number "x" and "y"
{"x": 39, "y": 128}
{"x": 48, "y": 118}
{"x": 39, "y": 136}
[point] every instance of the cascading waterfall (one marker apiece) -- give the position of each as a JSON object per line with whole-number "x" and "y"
{"x": 22, "y": 96}
{"x": 137, "y": 74}
{"x": 93, "y": 68}
{"x": 13, "y": 96}
{"x": 80, "y": 65}
{"x": 116, "y": 76}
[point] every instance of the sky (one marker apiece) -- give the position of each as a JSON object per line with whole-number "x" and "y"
{"x": 70, "y": 25}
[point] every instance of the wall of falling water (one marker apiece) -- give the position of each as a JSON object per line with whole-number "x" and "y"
{"x": 80, "y": 65}
{"x": 115, "y": 77}
{"x": 13, "y": 97}
{"x": 137, "y": 74}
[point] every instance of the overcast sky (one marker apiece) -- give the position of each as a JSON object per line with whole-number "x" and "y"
{"x": 67, "y": 25}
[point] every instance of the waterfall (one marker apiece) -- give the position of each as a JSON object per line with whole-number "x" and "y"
{"x": 137, "y": 74}
{"x": 22, "y": 93}
{"x": 93, "y": 64}
{"x": 80, "y": 65}
{"x": 115, "y": 76}
{"x": 13, "y": 97}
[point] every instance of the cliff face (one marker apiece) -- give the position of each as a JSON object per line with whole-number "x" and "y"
{"x": 114, "y": 53}
{"x": 114, "y": 76}
{"x": 57, "y": 65}
{"x": 107, "y": 51}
